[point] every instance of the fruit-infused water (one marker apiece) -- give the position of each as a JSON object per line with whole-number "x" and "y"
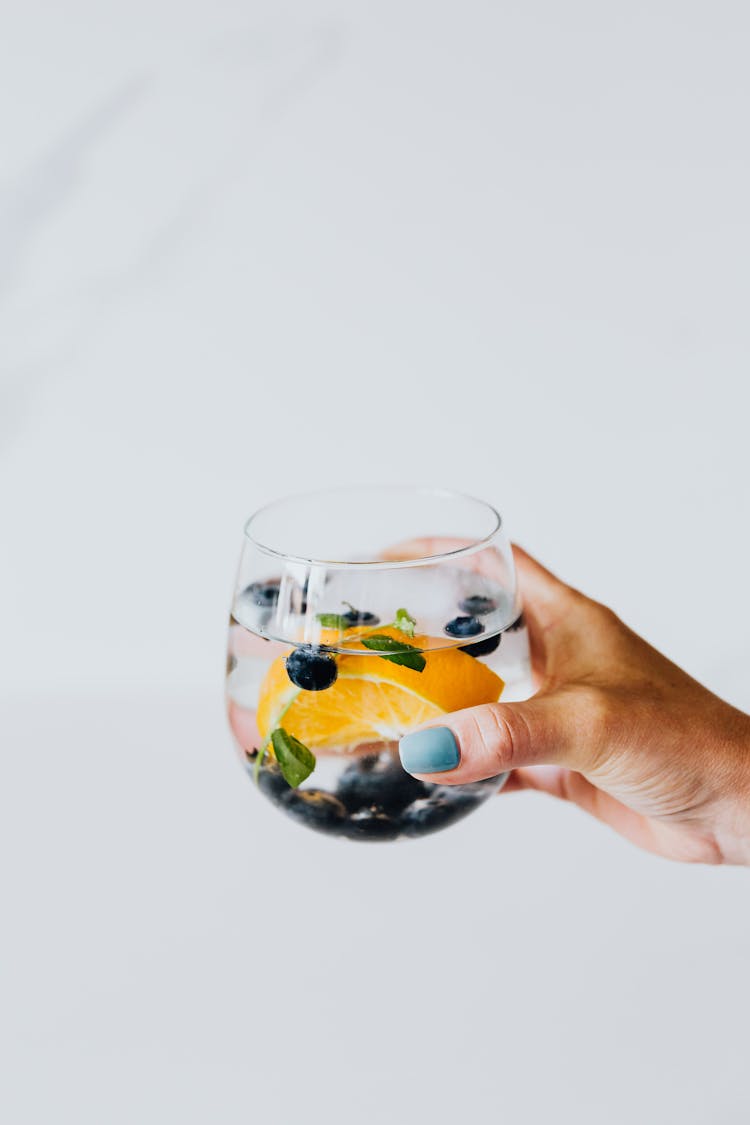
{"x": 318, "y": 721}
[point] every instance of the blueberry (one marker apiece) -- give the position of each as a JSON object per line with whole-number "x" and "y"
{"x": 271, "y": 781}
{"x": 464, "y": 627}
{"x": 359, "y": 617}
{"x": 472, "y": 627}
{"x": 379, "y": 780}
{"x": 264, "y": 593}
{"x": 371, "y": 824}
{"x": 477, "y": 605}
{"x": 438, "y": 811}
{"x": 311, "y": 669}
{"x": 482, "y": 648}
{"x": 519, "y": 623}
{"x": 315, "y": 809}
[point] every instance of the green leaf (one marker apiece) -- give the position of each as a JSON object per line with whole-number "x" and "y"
{"x": 296, "y": 762}
{"x": 398, "y": 652}
{"x": 405, "y": 622}
{"x": 333, "y": 621}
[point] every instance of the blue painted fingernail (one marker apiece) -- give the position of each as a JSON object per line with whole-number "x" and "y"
{"x": 429, "y": 751}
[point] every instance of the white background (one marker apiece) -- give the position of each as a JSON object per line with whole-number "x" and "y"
{"x": 246, "y": 249}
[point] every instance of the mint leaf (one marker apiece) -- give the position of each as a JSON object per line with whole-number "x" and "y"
{"x": 405, "y": 622}
{"x": 259, "y": 756}
{"x": 398, "y": 652}
{"x": 296, "y": 762}
{"x": 333, "y": 621}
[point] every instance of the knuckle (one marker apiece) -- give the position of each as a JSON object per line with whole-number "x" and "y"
{"x": 571, "y": 597}
{"x": 505, "y": 736}
{"x": 598, "y": 625}
{"x": 576, "y": 599}
{"x": 601, "y": 616}
{"x": 607, "y": 617}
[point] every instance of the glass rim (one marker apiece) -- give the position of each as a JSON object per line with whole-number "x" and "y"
{"x": 377, "y": 564}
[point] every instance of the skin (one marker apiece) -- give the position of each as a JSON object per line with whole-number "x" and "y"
{"x": 617, "y": 729}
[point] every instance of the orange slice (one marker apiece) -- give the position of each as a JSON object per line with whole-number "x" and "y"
{"x": 373, "y": 699}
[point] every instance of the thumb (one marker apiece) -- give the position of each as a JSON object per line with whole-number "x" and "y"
{"x": 484, "y": 741}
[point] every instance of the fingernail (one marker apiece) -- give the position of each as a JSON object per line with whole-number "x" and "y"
{"x": 429, "y": 751}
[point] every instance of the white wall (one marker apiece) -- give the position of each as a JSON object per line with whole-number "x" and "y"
{"x": 246, "y": 249}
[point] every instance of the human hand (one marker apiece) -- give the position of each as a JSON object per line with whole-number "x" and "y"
{"x": 615, "y": 727}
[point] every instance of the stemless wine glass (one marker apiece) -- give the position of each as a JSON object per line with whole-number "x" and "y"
{"x": 360, "y": 613}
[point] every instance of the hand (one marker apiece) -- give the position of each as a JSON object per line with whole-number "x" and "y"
{"x": 616, "y": 728}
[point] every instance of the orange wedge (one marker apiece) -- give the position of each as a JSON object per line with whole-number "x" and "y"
{"x": 373, "y": 699}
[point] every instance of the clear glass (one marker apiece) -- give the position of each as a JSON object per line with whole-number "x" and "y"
{"x": 358, "y": 614}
